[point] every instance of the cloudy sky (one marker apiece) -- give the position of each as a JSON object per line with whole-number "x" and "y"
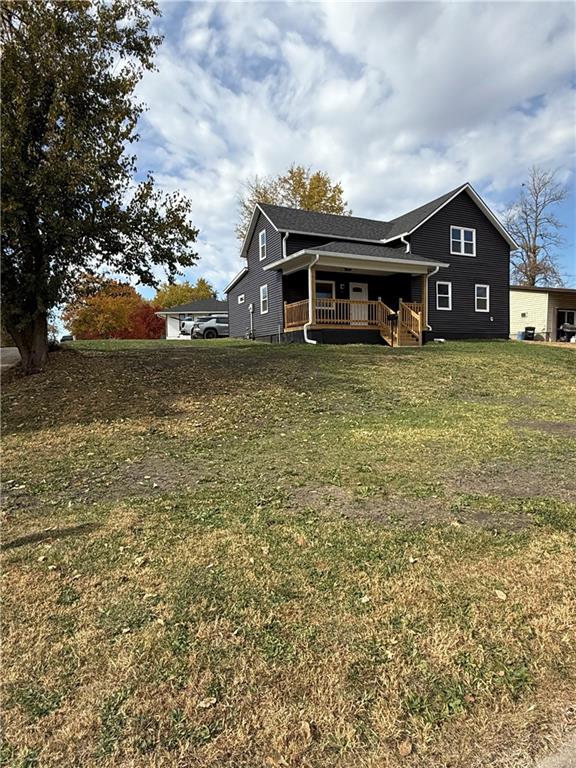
{"x": 400, "y": 101}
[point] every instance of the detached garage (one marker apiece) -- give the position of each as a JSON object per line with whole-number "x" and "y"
{"x": 545, "y": 309}
{"x": 193, "y": 309}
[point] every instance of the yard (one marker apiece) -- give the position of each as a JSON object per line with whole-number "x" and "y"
{"x": 238, "y": 555}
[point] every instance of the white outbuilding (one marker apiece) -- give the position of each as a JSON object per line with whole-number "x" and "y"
{"x": 175, "y": 316}
{"x": 544, "y": 309}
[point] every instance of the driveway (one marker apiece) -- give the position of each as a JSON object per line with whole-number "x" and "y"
{"x": 9, "y": 356}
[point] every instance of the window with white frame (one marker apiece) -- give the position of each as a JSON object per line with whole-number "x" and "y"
{"x": 262, "y": 244}
{"x": 263, "y": 299}
{"x": 325, "y": 289}
{"x": 241, "y": 298}
{"x": 462, "y": 241}
{"x": 482, "y": 298}
{"x": 443, "y": 295}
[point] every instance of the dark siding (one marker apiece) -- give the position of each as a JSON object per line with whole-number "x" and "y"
{"x": 249, "y": 285}
{"x": 490, "y": 266}
{"x": 335, "y": 336}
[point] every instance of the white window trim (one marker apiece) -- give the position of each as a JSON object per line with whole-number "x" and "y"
{"x": 262, "y": 299}
{"x": 328, "y": 282}
{"x": 449, "y": 297}
{"x": 262, "y": 245}
{"x": 482, "y": 298}
{"x": 462, "y": 230}
{"x": 241, "y": 298}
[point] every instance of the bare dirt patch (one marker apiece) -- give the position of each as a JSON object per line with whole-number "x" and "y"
{"x": 401, "y": 511}
{"x": 551, "y": 427}
{"x": 513, "y": 481}
{"x": 142, "y": 478}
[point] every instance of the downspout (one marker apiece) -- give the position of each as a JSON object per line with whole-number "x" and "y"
{"x": 310, "y": 308}
{"x": 284, "y": 245}
{"x": 406, "y": 243}
{"x": 428, "y": 276}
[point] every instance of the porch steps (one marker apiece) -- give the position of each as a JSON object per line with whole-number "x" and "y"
{"x": 406, "y": 339}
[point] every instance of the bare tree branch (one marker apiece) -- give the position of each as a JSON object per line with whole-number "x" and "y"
{"x": 533, "y": 224}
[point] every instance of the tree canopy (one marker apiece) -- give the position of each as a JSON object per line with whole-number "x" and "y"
{"x": 299, "y": 187}
{"x": 71, "y": 201}
{"x": 532, "y": 222}
{"x": 110, "y": 309}
{"x": 174, "y": 294}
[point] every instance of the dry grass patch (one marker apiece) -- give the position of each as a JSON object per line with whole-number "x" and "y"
{"x": 345, "y": 567}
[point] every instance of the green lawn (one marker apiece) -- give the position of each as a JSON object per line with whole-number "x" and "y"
{"x": 237, "y": 555}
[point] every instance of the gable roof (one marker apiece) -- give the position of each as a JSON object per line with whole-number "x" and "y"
{"x": 410, "y": 221}
{"x": 200, "y": 305}
{"x": 297, "y": 220}
{"x": 300, "y": 221}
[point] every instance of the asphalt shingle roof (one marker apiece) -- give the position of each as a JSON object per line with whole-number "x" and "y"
{"x": 351, "y": 227}
{"x": 201, "y": 305}
{"x": 367, "y": 249}
{"x": 298, "y": 220}
{"x": 408, "y": 221}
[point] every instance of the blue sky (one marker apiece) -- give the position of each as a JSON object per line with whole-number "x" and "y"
{"x": 399, "y": 101}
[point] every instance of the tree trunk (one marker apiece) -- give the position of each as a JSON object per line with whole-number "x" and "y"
{"x": 32, "y": 343}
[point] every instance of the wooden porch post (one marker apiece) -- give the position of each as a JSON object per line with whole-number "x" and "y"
{"x": 424, "y": 299}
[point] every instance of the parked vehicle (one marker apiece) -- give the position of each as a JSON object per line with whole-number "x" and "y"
{"x": 211, "y": 329}
{"x": 187, "y": 324}
{"x": 67, "y": 337}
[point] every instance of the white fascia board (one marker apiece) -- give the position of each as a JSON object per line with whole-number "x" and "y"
{"x": 250, "y": 232}
{"x": 234, "y": 280}
{"x": 479, "y": 202}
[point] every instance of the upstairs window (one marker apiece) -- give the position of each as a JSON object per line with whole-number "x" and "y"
{"x": 462, "y": 241}
{"x": 482, "y": 298}
{"x": 443, "y": 295}
{"x": 262, "y": 244}
{"x": 263, "y": 299}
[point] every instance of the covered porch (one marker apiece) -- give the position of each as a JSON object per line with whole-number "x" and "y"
{"x": 383, "y": 296}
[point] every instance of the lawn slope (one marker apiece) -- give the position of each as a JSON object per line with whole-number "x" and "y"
{"x": 238, "y": 555}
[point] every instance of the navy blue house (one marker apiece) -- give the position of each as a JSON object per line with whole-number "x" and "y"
{"x": 441, "y": 270}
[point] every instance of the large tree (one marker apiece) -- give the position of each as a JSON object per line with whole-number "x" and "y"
{"x": 70, "y": 201}
{"x": 532, "y": 222}
{"x": 174, "y": 294}
{"x": 299, "y": 187}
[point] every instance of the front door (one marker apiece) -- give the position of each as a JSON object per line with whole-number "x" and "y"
{"x": 359, "y": 312}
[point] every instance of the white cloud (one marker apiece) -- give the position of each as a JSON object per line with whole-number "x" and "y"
{"x": 400, "y": 101}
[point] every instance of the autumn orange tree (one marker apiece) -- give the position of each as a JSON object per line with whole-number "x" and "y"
{"x": 299, "y": 187}
{"x": 109, "y": 309}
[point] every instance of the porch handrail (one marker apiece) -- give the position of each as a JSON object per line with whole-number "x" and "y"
{"x": 410, "y": 318}
{"x": 295, "y": 314}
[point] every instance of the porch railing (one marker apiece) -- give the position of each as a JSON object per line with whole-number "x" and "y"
{"x": 296, "y": 314}
{"x": 410, "y": 319}
{"x": 397, "y": 328}
{"x": 348, "y": 313}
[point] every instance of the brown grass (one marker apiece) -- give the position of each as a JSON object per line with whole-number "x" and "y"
{"x": 261, "y": 556}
